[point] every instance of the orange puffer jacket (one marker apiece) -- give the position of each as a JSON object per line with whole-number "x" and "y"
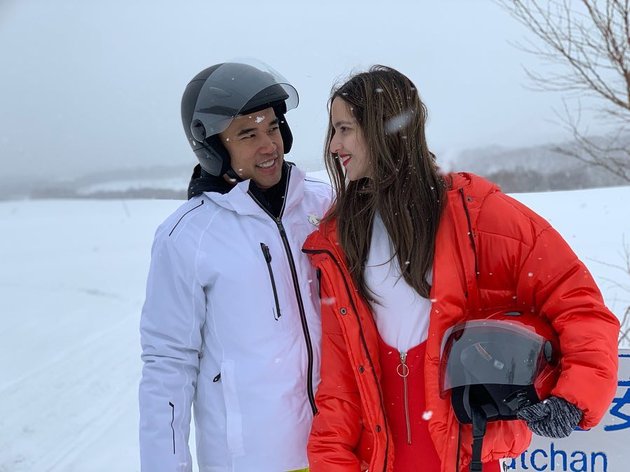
{"x": 487, "y": 244}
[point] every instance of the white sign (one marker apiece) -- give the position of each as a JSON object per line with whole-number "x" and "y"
{"x": 605, "y": 448}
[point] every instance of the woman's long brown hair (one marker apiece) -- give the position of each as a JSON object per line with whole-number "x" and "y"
{"x": 405, "y": 186}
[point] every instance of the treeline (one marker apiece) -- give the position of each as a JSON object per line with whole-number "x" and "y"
{"x": 528, "y": 180}
{"x": 132, "y": 193}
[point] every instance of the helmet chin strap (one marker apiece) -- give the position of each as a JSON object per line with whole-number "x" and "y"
{"x": 479, "y": 415}
{"x": 231, "y": 173}
{"x": 479, "y": 422}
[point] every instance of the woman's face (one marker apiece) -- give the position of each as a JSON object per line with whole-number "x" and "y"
{"x": 348, "y": 143}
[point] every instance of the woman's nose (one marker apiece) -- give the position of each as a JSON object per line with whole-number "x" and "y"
{"x": 334, "y": 146}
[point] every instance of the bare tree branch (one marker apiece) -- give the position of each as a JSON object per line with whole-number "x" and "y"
{"x": 590, "y": 41}
{"x": 624, "y": 332}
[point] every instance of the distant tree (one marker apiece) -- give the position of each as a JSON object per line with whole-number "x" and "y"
{"x": 590, "y": 41}
{"x": 622, "y": 283}
{"x": 624, "y": 332}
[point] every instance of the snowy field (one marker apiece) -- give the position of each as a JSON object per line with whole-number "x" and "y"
{"x": 71, "y": 289}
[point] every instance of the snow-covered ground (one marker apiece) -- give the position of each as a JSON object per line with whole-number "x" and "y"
{"x": 72, "y": 276}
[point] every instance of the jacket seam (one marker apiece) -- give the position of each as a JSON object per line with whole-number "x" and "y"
{"x": 204, "y": 323}
{"x": 572, "y": 267}
{"x": 182, "y": 217}
{"x": 471, "y": 234}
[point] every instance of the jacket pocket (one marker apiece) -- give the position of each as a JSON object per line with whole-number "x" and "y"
{"x": 366, "y": 447}
{"x": 267, "y": 255}
{"x": 233, "y": 413}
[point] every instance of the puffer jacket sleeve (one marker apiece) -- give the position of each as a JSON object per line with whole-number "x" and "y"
{"x": 170, "y": 331}
{"x": 337, "y": 426}
{"x": 561, "y": 288}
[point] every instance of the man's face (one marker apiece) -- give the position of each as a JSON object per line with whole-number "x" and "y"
{"x": 256, "y": 148}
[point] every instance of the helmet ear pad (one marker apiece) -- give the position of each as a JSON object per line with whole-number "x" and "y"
{"x": 285, "y": 132}
{"x": 213, "y": 157}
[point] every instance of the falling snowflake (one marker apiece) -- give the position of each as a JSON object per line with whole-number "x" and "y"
{"x": 393, "y": 125}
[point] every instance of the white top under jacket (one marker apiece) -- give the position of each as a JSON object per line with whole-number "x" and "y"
{"x": 401, "y": 315}
{"x": 212, "y": 336}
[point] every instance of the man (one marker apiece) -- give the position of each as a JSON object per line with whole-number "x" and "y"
{"x": 230, "y": 324}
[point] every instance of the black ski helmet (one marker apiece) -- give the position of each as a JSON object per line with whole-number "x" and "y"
{"x": 216, "y": 95}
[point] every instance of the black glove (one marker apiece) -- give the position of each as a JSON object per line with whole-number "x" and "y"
{"x": 553, "y": 417}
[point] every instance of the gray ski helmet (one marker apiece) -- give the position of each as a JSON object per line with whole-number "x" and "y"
{"x": 499, "y": 364}
{"x": 215, "y": 96}
{"x": 494, "y": 366}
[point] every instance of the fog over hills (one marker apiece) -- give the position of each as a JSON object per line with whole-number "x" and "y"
{"x": 525, "y": 169}
{"x": 537, "y": 168}
{"x": 96, "y": 86}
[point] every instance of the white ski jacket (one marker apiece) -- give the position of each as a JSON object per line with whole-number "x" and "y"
{"x": 231, "y": 326}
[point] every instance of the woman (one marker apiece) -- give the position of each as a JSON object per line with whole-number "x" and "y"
{"x": 405, "y": 254}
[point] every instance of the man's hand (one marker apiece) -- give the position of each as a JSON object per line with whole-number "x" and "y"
{"x": 553, "y": 417}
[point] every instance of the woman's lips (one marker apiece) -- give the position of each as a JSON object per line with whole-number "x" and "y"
{"x": 345, "y": 158}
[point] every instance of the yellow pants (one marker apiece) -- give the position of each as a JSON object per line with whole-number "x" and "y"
{"x": 299, "y": 470}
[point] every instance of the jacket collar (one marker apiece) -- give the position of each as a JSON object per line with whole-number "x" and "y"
{"x": 201, "y": 181}
{"x": 239, "y": 198}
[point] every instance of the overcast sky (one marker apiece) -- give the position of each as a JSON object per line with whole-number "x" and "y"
{"x": 87, "y": 85}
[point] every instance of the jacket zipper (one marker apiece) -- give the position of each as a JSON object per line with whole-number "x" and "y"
{"x": 307, "y": 335}
{"x": 267, "y": 254}
{"x": 403, "y": 371}
{"x": 298, "y": 294}
{"x": 363, "y": 342}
